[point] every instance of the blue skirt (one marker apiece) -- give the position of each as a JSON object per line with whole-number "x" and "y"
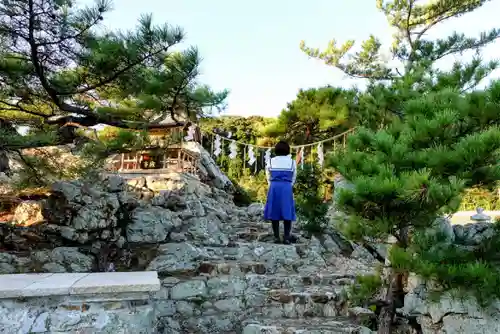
{"x": 280, "y": 204}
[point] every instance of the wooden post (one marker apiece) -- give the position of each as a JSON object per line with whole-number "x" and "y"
{"x": 122, "y": 157}
{"x": 179, "y": 157}
{"x": 212, "y": 149}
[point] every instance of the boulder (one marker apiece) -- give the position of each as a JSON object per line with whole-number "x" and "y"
{"x": 208, "y": 169}
{"x": 57, "y": 260}
{"x": 84, "y": 212}
{"x": 151, "y": 224}
{"x": 28, "y": 213}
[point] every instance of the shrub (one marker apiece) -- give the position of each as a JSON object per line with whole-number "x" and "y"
{"x": 309, "y": 200}
{"x": 480, "y": 198}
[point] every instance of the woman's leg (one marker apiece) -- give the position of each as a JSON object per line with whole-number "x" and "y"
{"x": 276, "y": 230}
{"x": 288, "y": 229}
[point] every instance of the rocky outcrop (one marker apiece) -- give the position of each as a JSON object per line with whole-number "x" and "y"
{"x": 208, "y": 169}
{"x": 451, "y": 313}
{"x": 219, "y": 269}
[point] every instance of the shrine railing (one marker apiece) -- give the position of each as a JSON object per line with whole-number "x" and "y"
{"x": 172, "y": 159}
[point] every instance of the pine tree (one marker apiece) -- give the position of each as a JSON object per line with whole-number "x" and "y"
{"x": 58, "y": 67}
{"x": 413, "y": 56}
{"x": 61, "y": 71}
{"x": 407, "y": 175}
{"x": 430, "y": 135}
{"x": 315, "y": 114}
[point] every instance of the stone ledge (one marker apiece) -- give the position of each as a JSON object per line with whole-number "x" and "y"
{"x": 40, "y": 285}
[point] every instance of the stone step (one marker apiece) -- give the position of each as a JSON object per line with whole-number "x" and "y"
{"x": 336, "y": 325}
{"x": 200, "y": 300}
{"x": 252, "y": 235}
{"x": 220, "y": 267}
{"x": 256, "y": 231}
{"x": 240, "y": 258}
{"x": 299, "y": 302}
{"x": 257, "y": 298}
{"x": 256, "y": 244}
{"x": 257, "y": 226}
{"x": 231, "y": 267}
{"x": 233, "y": 250}
{"x": 249, "y": 249}
{"x": 276, "y": 282}
{"x": 259, "y": 267}
{"x": 272, "y": 282}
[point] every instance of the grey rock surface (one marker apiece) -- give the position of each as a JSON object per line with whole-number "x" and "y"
{"x": 220, "y": 270}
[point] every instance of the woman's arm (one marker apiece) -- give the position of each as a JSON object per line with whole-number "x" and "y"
{"x": 294, "y": 177}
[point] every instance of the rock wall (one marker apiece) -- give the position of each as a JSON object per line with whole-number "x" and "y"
{"x": 220, "y": 271}
{"x": 78, "y": 303}
{"x": 449, "y": 314}
{"x": 452, "y": 314}
{"x": 108, "y": 218}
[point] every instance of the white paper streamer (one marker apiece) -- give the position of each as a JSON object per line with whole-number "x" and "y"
{"x": 321, "y": 156}
{"x": 233, "y": 150}
{"x": 190, "y": 133}
{"x": 267, "y": 157}
{"x": 217, "y": 146}
{"x": 251, "y": 155}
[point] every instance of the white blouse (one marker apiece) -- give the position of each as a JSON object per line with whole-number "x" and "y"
{"x": 282, "y": 162}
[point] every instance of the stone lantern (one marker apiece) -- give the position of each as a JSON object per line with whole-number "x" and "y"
{"x": 480, "y": 216}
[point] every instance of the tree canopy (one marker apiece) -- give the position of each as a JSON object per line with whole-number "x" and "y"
{"x": 429, "y": 134}
{"x": 58, "y": 66}
{"x": 315, "y": 114}
{"x": 413, "y": 56}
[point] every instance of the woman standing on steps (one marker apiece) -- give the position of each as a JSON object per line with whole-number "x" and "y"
{"x": 280, "y": 205}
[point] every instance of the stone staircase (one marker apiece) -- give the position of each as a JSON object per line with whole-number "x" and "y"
{"x": 253, "y": 286}
{"x": 303, "y": 326}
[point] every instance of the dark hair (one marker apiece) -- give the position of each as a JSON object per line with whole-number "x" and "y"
{"x": 282, "y": 148}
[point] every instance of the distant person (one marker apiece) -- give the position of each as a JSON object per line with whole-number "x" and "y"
{"x": 280, "y": 205}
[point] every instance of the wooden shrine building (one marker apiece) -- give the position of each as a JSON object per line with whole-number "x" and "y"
{"x": 166, "y": 153}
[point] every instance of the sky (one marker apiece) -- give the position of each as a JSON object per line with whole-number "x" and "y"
{"x": 252, "y": 47}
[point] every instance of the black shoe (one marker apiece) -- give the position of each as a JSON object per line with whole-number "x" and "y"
{"x": 286, "y": 242}
{"x": 277, "y": 240}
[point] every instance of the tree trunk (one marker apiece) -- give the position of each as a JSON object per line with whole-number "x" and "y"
{"x": 4, "y": 162}
{"x": 387, "y": 313}
{"x": 395, "y": 288}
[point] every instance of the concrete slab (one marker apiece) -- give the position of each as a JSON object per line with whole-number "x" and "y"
{"x": 55, "y": 285}
{"x": 117, "y": 282}
{"x": 12, "y": 285}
